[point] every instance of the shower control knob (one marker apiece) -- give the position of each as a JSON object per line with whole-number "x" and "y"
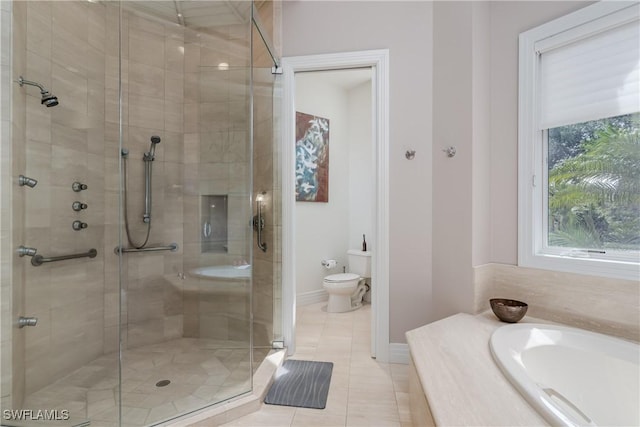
{"x": 78, "y": 206}
{"x": 27, "y": 321}
{"x": 78, "y": 186}
{"x": 79, "y": 225}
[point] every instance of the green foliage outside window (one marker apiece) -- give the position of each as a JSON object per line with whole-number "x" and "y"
{"x": 594, "y": 184}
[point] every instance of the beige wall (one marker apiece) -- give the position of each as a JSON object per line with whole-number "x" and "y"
{"x": 453, "y": 115}
{"x": 405, "y": 29}
{"x": 508, "y": 19}
{"x": 608, "y": 306}
{"x": 605, "y": 305}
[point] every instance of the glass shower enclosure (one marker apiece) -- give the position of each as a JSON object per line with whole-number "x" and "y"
{"x": 139, "y": 236}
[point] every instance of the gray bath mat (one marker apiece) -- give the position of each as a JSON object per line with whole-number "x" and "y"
{"x": 301, "y": 383}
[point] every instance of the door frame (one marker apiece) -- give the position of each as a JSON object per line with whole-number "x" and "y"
{"x": 378, "y": 61}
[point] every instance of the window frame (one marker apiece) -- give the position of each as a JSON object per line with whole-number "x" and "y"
{"x": 533, "y": 250}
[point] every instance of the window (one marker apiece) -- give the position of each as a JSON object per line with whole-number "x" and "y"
{"x": 579, "y": 143}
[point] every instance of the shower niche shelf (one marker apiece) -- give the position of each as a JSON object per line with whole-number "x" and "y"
{"x": 213, "y": 223}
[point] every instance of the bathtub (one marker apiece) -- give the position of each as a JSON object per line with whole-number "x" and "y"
{"x": 572, "y": 377}
{"x": 223, "y": 272}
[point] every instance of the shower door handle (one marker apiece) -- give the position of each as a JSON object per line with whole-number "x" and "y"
{"x": 258, "y": 223}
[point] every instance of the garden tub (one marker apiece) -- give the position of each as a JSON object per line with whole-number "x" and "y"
{"x": 572, "y": 377}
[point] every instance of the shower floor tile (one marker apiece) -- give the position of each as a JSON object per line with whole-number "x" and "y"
{"x": 200, "y": 372}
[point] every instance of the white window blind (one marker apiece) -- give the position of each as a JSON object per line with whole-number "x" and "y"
{"x": 591, "y": 78}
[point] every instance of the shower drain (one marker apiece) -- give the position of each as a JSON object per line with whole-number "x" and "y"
{"x": 163, "y": 383}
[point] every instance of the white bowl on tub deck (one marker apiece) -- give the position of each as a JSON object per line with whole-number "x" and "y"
{"x": 572, "y": 377}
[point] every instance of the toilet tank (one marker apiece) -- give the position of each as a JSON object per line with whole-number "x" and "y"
{"x": 359, "y": 262}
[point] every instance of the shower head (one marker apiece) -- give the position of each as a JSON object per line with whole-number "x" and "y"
{"x": 155, "y": 140}
{"x": 48, "y": 99}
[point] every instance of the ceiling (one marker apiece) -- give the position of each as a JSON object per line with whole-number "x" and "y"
{"x": 197, "y": 15}
{"x": 345, "y": 79}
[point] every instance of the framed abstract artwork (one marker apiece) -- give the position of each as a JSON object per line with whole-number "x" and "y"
{"x": 312, "y": 158}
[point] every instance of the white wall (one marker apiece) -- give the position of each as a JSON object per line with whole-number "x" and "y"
{"x": 405, "y": 28}
{"x": 328, "y": 230}
{"x": 361, "y": 176}
{"x": 322, "y": 228}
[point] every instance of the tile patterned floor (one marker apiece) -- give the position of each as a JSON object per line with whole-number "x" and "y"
{"x": 363, "y": 392}
{"x": 201, "y": 372}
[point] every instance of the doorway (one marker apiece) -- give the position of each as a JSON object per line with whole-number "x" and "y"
{"x": 376, "y": 62}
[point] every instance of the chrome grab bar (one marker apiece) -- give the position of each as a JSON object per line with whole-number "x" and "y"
{"x": 38, "y": 260}
{"x": 171, "y": 247}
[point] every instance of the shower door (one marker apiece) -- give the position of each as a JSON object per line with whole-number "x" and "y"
{"x": 185, "y": 324}
{"x": 267, "y": 324}
{"x": 127, "y": 209}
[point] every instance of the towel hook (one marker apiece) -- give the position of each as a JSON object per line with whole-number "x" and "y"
{"x": 451, "y": 151}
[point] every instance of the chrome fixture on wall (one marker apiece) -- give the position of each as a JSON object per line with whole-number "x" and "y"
{"x": 38, "y": 260}
{"x": 148, "y": 158}
{"x": 48, "y": 99}
{"x": 25, "y": 180}
{"x": 78, "y": 186}
{"x": 258, "y": 221}
{"x": 78, "y": 206}
{"x": 79, "y": 225}
{"x": 27, "y": 321}
{"x": 173, "y": 247}
{"x": 23, "y": 250}
{"x": 451, "y": 151}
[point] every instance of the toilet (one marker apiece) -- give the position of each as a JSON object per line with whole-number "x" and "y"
{"x": 347, "y": 289}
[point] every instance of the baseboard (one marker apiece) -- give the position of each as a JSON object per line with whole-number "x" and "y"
{"x": 399, "y": 353}
{"x": 312, "y": 297}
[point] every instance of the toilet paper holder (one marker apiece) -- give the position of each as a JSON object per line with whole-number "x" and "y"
{"x": 329, "y": 263}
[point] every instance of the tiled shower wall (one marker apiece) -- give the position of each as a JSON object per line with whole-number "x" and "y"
{"x": 72, "y": 48}
{"x": 217, "y": 162}
{"x": 152, "y": 79}
{"x": 6, "y": 185}
{"x": 61, "y": 46}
